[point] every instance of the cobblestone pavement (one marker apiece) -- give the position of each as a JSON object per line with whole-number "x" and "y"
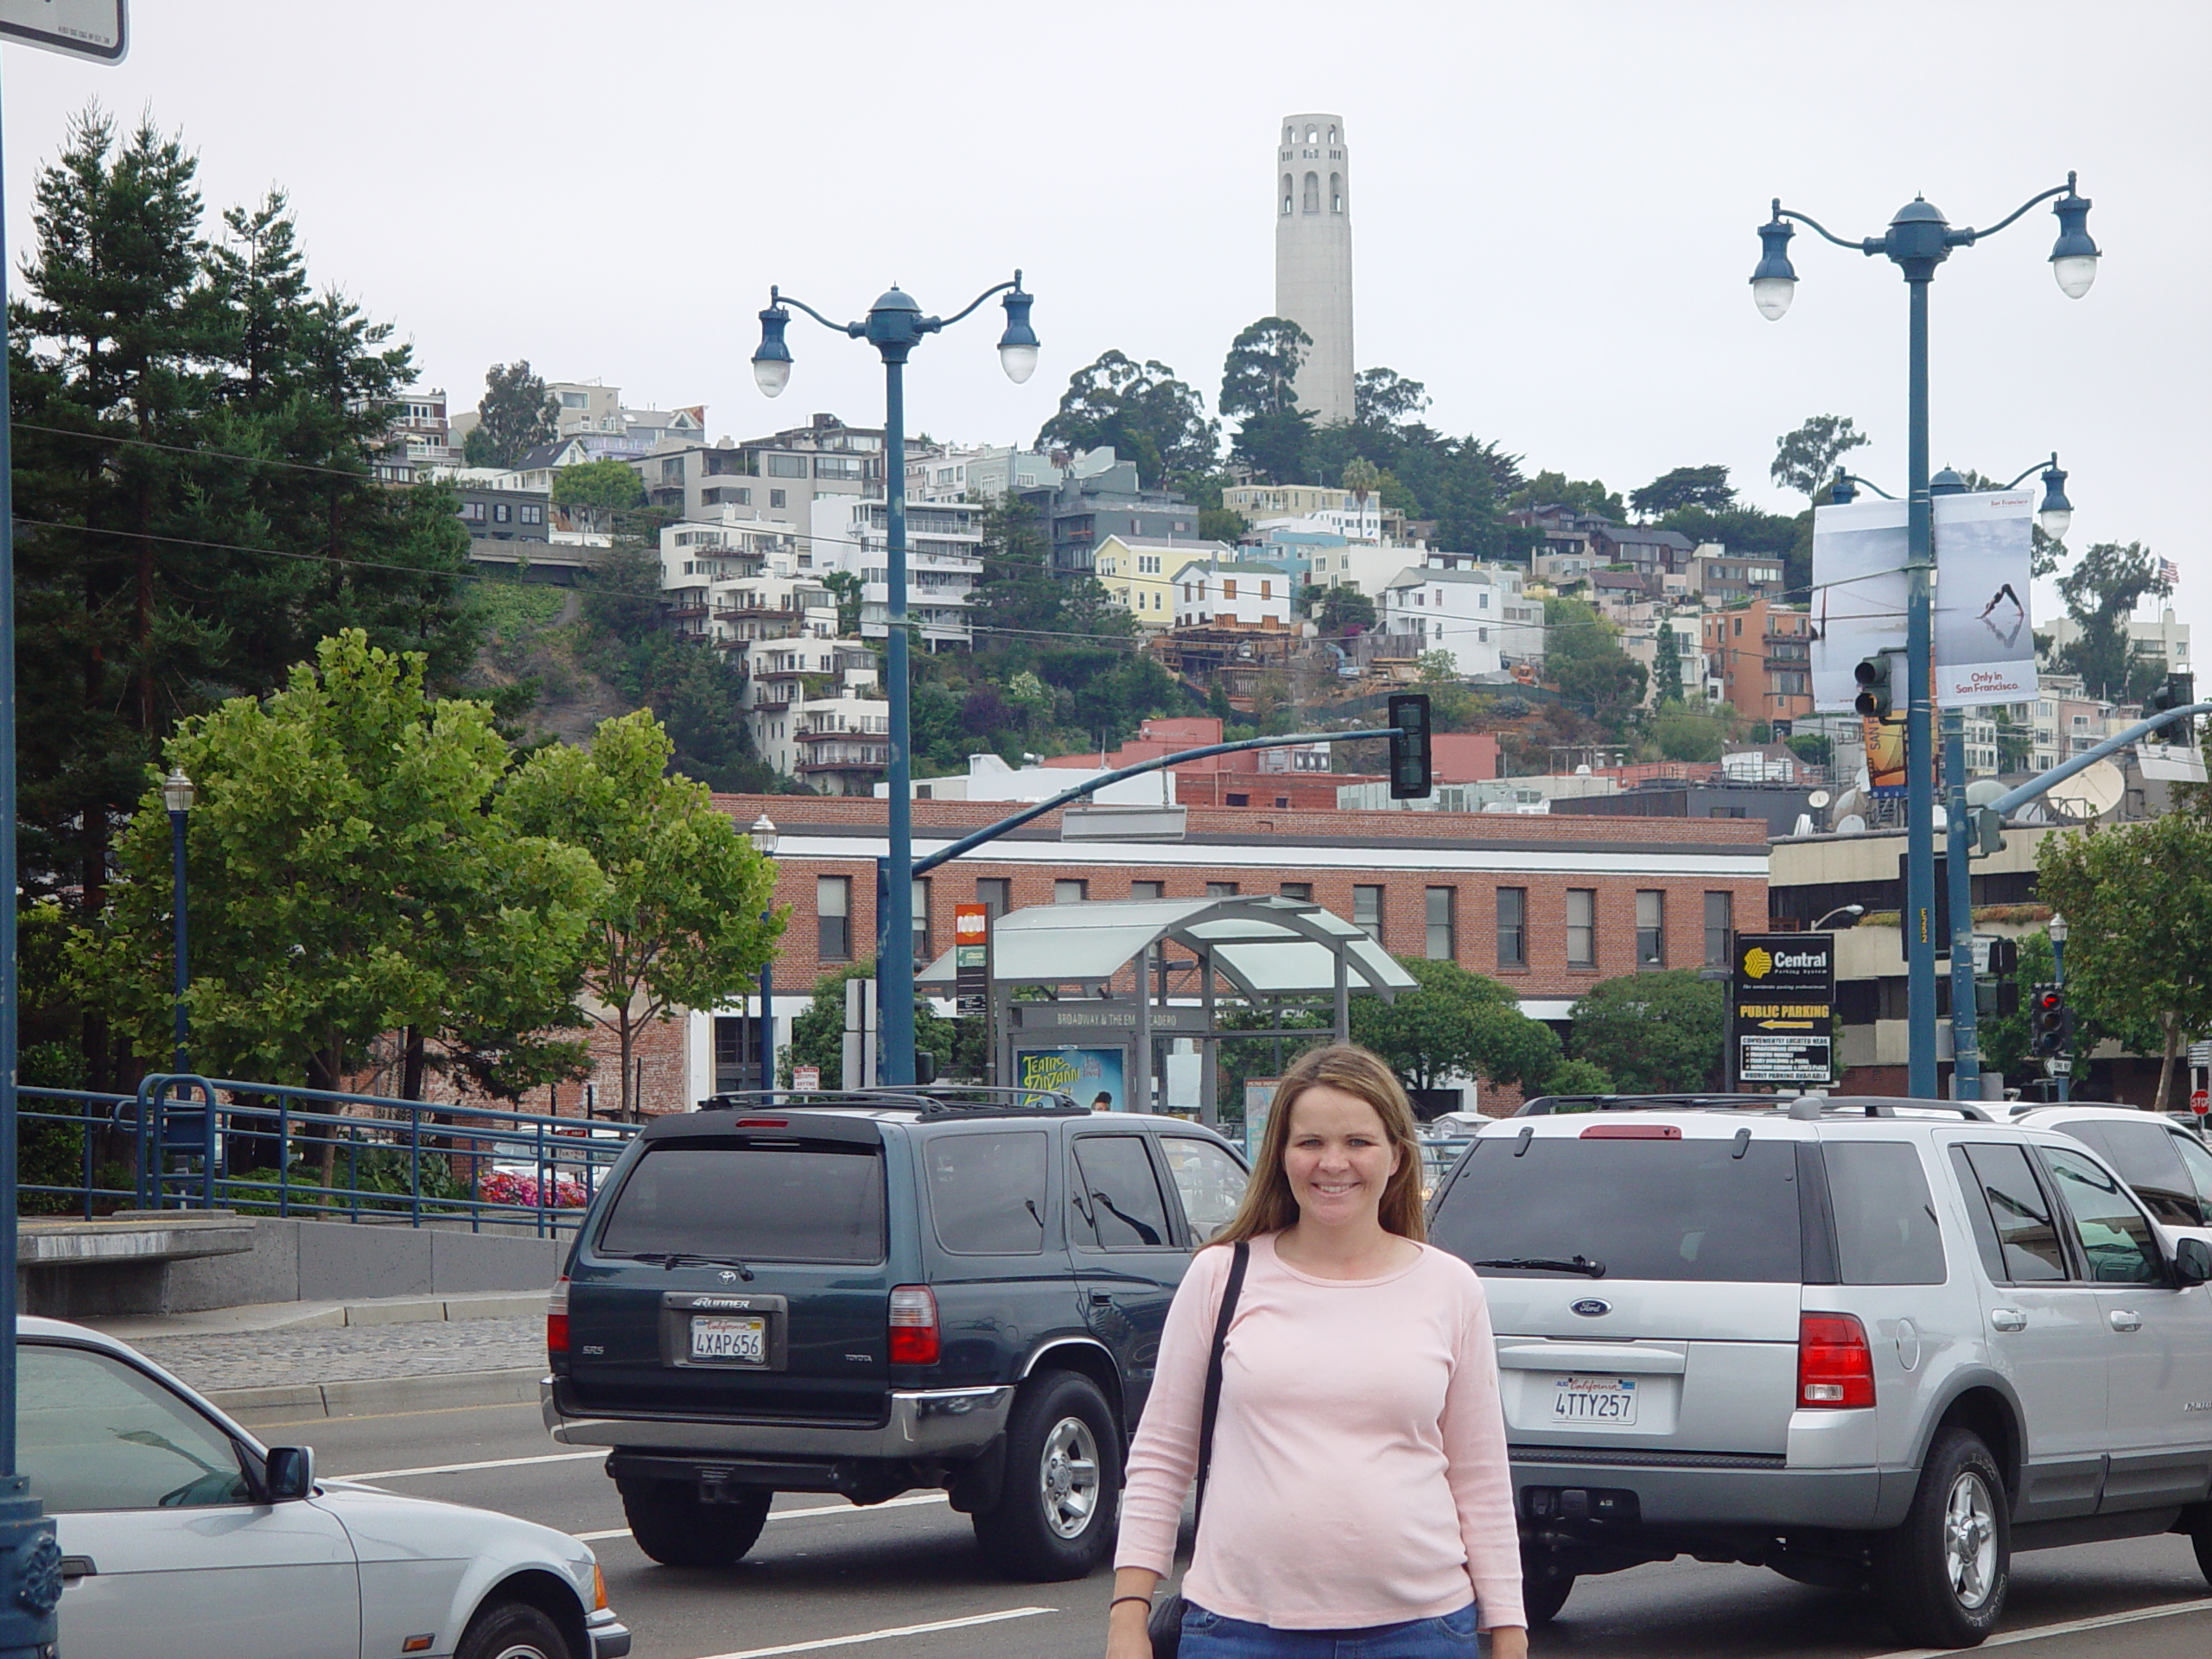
{"x": 349, "y": 1353}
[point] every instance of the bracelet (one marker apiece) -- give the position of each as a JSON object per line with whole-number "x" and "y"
{"x": 1118, "y": 1600}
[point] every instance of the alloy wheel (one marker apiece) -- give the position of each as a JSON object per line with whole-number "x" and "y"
{"x": 1068, "y": 1476}
{"x": 1970, "y": 1540}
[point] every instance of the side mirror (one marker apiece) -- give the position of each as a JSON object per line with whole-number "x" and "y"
{"x": 288, "y": 1472}
{"x": 2192, "y": 1261}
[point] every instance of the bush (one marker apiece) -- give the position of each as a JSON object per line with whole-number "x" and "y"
{"x": 1579, "y": 1078}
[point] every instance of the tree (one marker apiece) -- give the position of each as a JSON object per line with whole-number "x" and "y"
{"x": 1344, "y": 609}
{"x": 1685, "y": 487}
{"x": 1363, "y": 478}
{"x": 2138, "y": 898}
{"x": 1144, "y": 412}
{"x": 348, "y": 878}
{"x": 1456, "y": 1024}
{"x": 1805, "y": 460}
{"x": 1667, "y": 658}
{"x": 1652, "y": 1032}
{"x": 844, "y": 588}
{"x": 819, "y": 1031}
{"x": 2102, "y": 592}
{"x": 1259, "y": 391}
{"x": 1556, "y": 489}
{"x": 681, "y": 922}
{"x": 1385, "y": 398}
{"x": 1583, "y": 658}
{"x": 1682, "y": 733}
{"x": 594, "y": 491}
{"x": 517, "y": 413}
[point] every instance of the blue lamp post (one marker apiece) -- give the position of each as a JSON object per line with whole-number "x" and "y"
{"x": 895, "y": 326}
{"x": 1919, "y": 239}
{"x": 763, "y": 837}
{"x": 178, "y": 795}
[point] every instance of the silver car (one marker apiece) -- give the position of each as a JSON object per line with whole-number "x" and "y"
{"x": 182, "y": 1535}
{"x": 1865, "y": 1343}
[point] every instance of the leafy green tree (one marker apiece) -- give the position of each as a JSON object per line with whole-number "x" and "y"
{"x": 1363, "y": 478}
{"x": 594, "y": 491}
{"x": 1556, "y": 489}
{"x": 1259, "y": 391}
{"x": 478, "y": 449}
{"x": 1682, "y": 733}
{"x": 517, "y": 413}
{"x": 680, "y": 924}
{"x": 1805, "y": 460}
{"x": 1669, "y": 660}
{"x": 1579, "y": 1077}
{"x": 1342, "y": 609}
{"x": 818, "y": 1032}
{"x": 1456, "y": 1024}
{"x": 1583, "y": 658}
{"x": 1142, "y": 410}
{"x": 1652, "y": 1032}
{"x": 2102, "y": 592}
{"x": 1685, "y": 486}
{"x": 844, "y": 587}
{"x": 1385, "y": 398}
{"x": 2139, "y": 899}
{"x": 348, "y": 878}
{"x": 1817, "y": 750}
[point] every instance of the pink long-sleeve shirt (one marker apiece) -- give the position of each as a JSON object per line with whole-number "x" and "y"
{"x": 1359, "y": 1468}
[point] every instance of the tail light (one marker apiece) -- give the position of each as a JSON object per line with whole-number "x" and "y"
{"x": 556, "y": 1327}
{"x": 1835, "y": 1367}
{"x": 913, "y": 1326}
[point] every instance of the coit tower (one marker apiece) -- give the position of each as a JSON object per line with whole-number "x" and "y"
{"x": 1313, "y": 257}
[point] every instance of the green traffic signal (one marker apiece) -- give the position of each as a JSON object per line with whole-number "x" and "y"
{"x": 1411, "y": 770}
{"x": 1876, "y": 696}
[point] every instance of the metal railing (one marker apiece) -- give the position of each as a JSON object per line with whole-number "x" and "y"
{"x": 185, "y": 1142}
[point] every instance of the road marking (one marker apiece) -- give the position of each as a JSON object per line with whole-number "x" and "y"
{"x": 884, "y": 1636}
{"x": 2072, "y": 1628}
{"x": 468, "y": 1468}
{"x": 907, "y": 1502}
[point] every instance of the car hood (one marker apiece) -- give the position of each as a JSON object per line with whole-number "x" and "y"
{"x": 389, "y": 1525}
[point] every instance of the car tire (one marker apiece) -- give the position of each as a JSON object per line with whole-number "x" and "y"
{"x": 1054, "y": 1518}
{"x": 1940, "y": 1579}
{"x": 513, "y": 1630}
{"x": 673, "y": 1526}
{"x": 2201, "y": 1535}
{"x": 1543, "y": 1594}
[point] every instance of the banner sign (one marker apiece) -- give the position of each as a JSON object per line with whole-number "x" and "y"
{"x": 1093, "y": 1075}
{"x": 77, "y": 28}
{"x": 971, "y": 961}
{"x": 1782, "y": 1008}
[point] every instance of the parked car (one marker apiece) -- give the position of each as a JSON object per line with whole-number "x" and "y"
{"x": 2163, "y": 1159}
{"x": 866, "y": 1293}
{"x": 183, "y": 1536}
{"x": 1865, "y": 1343}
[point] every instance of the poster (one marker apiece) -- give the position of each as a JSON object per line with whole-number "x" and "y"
{"x": 1885, "y": 740}
{"x": 1984, "y": 635}
{"x": 1092, "y": 1076}
{"x": 1782, "y": 1008}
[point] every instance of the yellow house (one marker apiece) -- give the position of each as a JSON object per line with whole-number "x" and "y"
{"x": 1139, "y": 573}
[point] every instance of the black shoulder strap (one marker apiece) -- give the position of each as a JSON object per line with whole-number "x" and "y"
{"x": 1212, "y": 1407}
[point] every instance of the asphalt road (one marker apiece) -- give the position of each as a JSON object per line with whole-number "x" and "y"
{"x": 903, "y": 1581}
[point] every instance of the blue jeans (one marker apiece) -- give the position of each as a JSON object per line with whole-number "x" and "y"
{"x": 1211, "y": 1635}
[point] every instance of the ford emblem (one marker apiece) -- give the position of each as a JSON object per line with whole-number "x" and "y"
{"x": 1590, "y": 1307}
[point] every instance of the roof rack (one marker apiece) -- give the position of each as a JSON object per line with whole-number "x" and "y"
{"x": 1805, "y": 1108}
{"x": 1544, "y": 1105}
{"x": 927, "y": 1101}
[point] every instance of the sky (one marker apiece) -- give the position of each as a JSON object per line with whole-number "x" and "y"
{"x": 1553, "y": 207}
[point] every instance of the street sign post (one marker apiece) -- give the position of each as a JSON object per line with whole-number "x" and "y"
{"x": 79, "y": 28}
{"x": 1782, "y": 1008}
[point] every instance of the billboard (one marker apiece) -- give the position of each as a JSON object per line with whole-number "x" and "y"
{"x": 1782, "y": 1007}
{"x": 1984, "y": 637}
{"x": 1093, "y": 1075}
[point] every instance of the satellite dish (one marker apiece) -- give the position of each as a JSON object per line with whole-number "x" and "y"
{"x": 1804, "y": 824}
{"x": 1846, "y": 801}
{"x": 1943, "y": 819}
{"x": 2090, "y": 793}
{"x": 1853, "y": 824}
{"x": 1983, "y": 790}
{"x": 1860, "y": 780}
{"x": 1817, "y": 799}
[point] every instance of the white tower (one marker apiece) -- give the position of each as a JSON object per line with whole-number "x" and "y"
{"x": 1313, "y": 257}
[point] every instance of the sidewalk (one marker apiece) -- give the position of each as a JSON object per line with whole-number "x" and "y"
{"x": 284, "y": 1361}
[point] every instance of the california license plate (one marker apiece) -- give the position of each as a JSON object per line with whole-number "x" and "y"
{"x": 1594, "y": 1400}
{"x": 744, "y": 1340}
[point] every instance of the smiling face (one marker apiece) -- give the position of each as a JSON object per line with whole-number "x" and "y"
{"x": 1336, "y": 1158}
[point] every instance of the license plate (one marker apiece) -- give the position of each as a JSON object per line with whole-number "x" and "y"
{"x": 745, "y": 1340}
{"x": 1594, "y": 1400}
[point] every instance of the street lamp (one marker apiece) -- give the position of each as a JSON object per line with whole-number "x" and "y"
{"x": 178, "y": 795}
{"x": 2056, "y": 931}
{"x": 895, "y": 326}
{"x": 1918, "y": 240}
{"x": 1850, "y": 912}
{"x": 763, "y": 837}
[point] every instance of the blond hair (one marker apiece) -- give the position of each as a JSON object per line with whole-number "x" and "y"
{"x": 1268, "y": 1206}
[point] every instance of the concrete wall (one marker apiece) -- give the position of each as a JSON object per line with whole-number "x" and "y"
{"x": 302, "y": 1261}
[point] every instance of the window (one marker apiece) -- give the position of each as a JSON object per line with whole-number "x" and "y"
{"x": 995, "y": 894}
{"x": 833, "y": 911}
{"x": 1228, "y": 587}
{"x": 776, "y": 497}
{"x": 1070, "y": 890}
{"x": 1312, "y": 201}
{"x": 2149, "y": 1157}
{"x": 1513, "y": 927}
{"x": 533, "y": 515}
{"x": 1301, "y": 890}
{"x": 1336, "y": 193}
{"x": 787, "y": 465}
{"x": 1719, "y": 924}
{"x": 921, "y": 919}
{"x": 1441, "y": 922}
{"x": 1221, "y": 889}
{"x": 1650, "y": 929}
{"x": 2012, "y": 1219}
{"x": 472, "y": 512}
{"x": 1147, "y": 889}
{"x": 1582, "y": 927}
{"x": 736, "y": 1060}
{"x": 2114, "y": 1235}
{"x": 1287, "y": 189}
{"x": 752, "y": 1204}
{"x": 1209, "y": 1181}
{"x": 987, "y": 1191}
{"x": 1115, "y": 1204}
{"x": 1367, "y": 911}
{"x": 1886, "y": 1226}
{"x": 96, "y": 1433}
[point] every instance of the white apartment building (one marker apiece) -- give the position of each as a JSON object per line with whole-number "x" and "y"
{"x": 2165, "y": 641}
{"x": 943, "y": 562}
{"x": 1479, "y": 613}
{"x": 1232, "y": 594}
{"x": 983, "y": 472}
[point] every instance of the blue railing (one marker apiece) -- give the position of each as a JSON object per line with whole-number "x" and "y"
{"x": 195, "y": 1142}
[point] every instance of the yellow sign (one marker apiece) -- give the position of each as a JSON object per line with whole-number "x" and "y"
{"x": 1756, "y": 963}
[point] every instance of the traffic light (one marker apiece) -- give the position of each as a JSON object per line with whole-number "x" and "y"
{"x": 2178, "y": 692}
{"x": 2050, "y": 1023}
{"x": 1875, "y": 693}
{"x": 1410, "y": 767}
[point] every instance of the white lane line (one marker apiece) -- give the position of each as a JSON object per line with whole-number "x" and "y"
{"x": 2072, "y": 1628}
{"x": 885, "y": 1636}
{"x": 907, "y": 1502}
{"x": 468, "y": 1468}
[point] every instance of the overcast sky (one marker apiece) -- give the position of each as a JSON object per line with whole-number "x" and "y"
{"x": 1554, "y": 206}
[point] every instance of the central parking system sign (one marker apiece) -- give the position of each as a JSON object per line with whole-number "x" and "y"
{"x": 1782, "y": 1008}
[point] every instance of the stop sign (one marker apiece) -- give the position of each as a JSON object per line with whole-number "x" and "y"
{"x": 2200, "y": 1102}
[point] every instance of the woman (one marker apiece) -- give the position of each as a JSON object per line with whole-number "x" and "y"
{"x": 1359, "y": 1488}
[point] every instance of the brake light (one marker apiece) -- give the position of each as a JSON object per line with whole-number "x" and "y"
{"x": 556, "y": 1326}
{"x": 1835, "y": 1367}
{"x": 913, "y": 1326}
{"x": 1632, "y": 1132}
{"x": 763, "y": 1123}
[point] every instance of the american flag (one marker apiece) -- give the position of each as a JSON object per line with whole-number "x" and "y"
{"x": 2169, "y": 573}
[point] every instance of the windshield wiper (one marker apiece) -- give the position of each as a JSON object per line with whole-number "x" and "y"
{"x": 690, "y": 1259}
{"x": 1549, "y": 1264}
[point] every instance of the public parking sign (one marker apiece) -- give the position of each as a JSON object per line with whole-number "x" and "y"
{"x": 82, "y": 29}
{"x": 1782, "y": 1008}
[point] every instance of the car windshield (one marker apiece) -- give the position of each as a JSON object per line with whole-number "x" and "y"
{"x": 1691, "y": 1209}
{"x": 747, "y": 1203}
